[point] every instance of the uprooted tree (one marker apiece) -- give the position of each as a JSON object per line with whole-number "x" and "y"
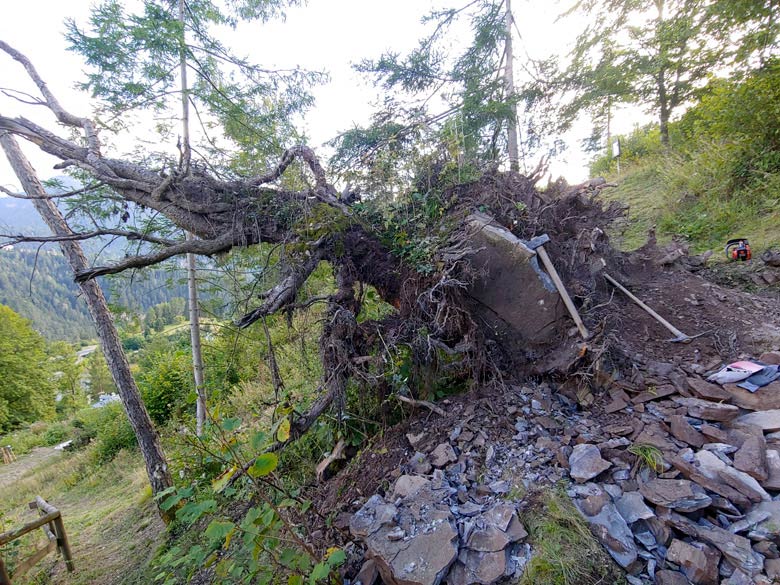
{"x": 457, "y": 314}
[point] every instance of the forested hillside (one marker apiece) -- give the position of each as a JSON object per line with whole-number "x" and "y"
{"x": 38, "y": 284}
{"x": 719, "y": 176}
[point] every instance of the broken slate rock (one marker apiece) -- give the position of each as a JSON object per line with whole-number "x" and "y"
{"x": 751, "y": 457}
{"x": 419, "y": 464}
{"x": 585, "y": 462}
{"x": 701, "y": 568}
{"x": 409, "y": 485}
{"x": 704, "y": 389}
{"x": 767, "y": 420}
{"x": 442, "y": 455}
{"x": 632, "y": 507}
{"x": 678, "y": 494}
{"x": 704, "y": 409}
{"x": 420, "y": 559}
{"x": 773, "y": 466}
{"x": 683, "y": 431}
{"x": 734, "y": 547}
{"x": 667, "y": 577}
{"x": 368, "y": 573}
{"x": 613, "y": 532}
{"x": 374, "y": 514}
{"x": 478, "y": 568}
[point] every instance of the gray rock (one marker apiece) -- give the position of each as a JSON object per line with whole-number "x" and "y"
{"x": 677, "y": 494}
{"x": 419, "y": 464}
{"x": 442, "y": 455}
{"x": 700, "y": 565}
{"x": 667, "y": 577}
{"x": 706, "y": 410}
{"x": 632, "y": 507}
{"x": 585, "y": 462}
{"x": 734, "y": 547}
{"x": 409, "y": 485}
{"x": 766, "y": 420}
{"x": 751, "y": 457}
{"x": 374, "y": 514}
{"x": 421, "y": 559}
{"x": 368, "y": 573}
{"x": 613, "y": 532}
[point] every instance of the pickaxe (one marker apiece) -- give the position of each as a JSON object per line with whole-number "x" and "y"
{"x": 679, "y": 336}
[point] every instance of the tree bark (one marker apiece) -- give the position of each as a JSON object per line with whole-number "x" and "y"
{"x": 509, "y": 82}
{"x": 197, "y": 352}
{"x": 148, "y": 439}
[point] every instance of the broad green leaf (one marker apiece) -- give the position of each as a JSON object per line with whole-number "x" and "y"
{"x": 320, "y": 571}
{"x": 219, "y": 530}
{"x": 336, "y": 558}
{"x": 283, "y": 433}
{"x": 264, "y": 465}
{"x": 295, "y": 580}
{"x": 258, "y": 441}
{"x": 219, "y": 483}
{"x": 231, "y": 424}
{"x": 191, "y": 511}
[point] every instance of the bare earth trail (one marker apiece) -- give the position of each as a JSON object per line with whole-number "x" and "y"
{"x": 108, "y": 514}
{"x": 25, "y": 464}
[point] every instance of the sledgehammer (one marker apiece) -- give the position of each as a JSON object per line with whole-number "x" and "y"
{"x": 537, "y": 244}
{"x": 680, "y": 337}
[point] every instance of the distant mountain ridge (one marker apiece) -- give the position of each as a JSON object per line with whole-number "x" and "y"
{"x": 37, "y": 283}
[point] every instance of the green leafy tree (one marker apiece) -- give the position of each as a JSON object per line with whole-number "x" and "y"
{"x": 26, "y": 386}
{"x": 68, "y": 370}
{"x": 98, "y": 375}
{"x": 660, "y": 53}
{"x": 459, "y": 104}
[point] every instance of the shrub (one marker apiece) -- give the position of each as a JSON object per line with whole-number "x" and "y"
{"x": 56, "y": 433}
{"x": 165, "y": 383}
{"x": 108, "y": 427}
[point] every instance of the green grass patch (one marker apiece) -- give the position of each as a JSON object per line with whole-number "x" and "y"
{"x": 564, "y": 550}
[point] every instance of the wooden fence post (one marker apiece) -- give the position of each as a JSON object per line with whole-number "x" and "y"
{"x": 4, "y": 578}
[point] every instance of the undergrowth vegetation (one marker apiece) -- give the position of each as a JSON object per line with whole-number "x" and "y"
{"x": 565, "y": 552}
{"x": 720, "y": 178}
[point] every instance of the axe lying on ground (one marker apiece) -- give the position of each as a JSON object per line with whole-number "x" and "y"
{"x": 679, "y": 336}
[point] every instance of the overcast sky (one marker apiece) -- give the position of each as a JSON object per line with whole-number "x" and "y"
{"x": 325, "y": 35}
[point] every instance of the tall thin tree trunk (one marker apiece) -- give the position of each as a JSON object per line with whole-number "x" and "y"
{"x": 192, "y": 283}
{"x": 197, "y": 352}
{"x": 509, "y": 82}
{"x": 148, "y": 439}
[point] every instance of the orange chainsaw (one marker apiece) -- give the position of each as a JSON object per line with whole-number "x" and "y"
{"x": 738, "y": 249}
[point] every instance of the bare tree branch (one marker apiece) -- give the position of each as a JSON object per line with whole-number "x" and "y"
{"x": 203, "y": 247}
{"x": 130, "y": 235}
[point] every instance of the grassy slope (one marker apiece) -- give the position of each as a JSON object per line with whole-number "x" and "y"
{"x": 712, "y": 222}
{"x": 108, "y": 513}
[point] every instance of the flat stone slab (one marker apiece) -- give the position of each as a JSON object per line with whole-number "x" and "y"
{"x": 767, "y": 420}
{"x": 678, "y": 494}
{"x": 585, "y": 462}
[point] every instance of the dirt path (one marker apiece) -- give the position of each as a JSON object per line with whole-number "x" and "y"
{"x": 25, "y": 464}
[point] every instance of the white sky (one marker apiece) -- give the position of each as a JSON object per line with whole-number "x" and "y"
{"x": 327, "y": 35}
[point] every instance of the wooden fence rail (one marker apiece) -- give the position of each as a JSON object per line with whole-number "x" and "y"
{"x": 50, "y": 522}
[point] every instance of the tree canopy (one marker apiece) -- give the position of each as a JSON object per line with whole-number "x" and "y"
{"x": 659, "y": 54}
{"x": 26, "y": 386}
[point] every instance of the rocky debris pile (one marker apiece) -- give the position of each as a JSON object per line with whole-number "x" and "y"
{"x": 678, "y": 478}
{"x": 451, "y": 515}
{"x": 686, "y": 487}
{"x": 422, "y": 534}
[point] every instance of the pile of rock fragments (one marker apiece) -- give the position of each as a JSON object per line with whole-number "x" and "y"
{"x": 678, "y": 478}
{"x": 688, "y": 490}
